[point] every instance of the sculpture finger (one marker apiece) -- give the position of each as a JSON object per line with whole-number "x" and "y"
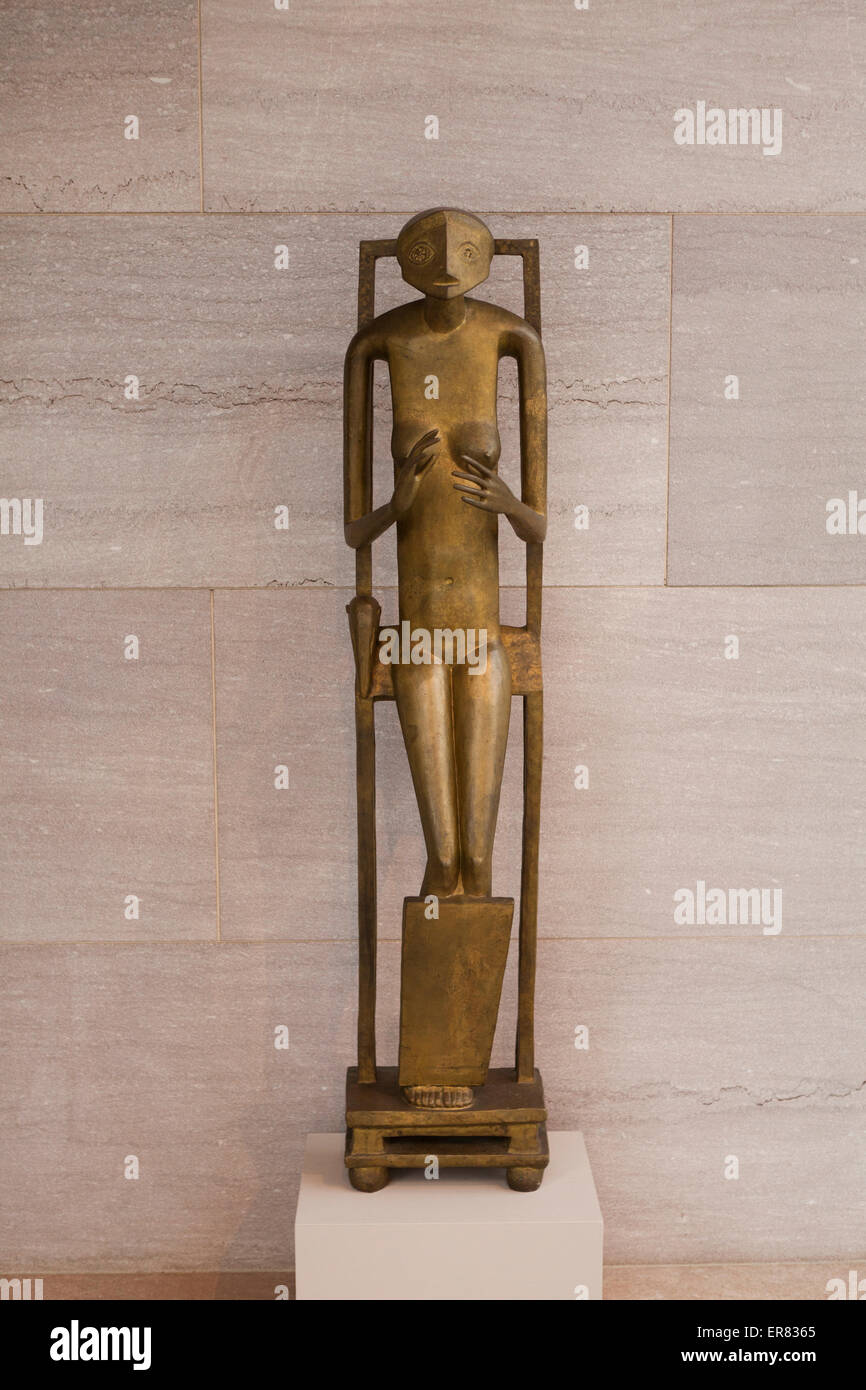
{"x": 478, "y": 467}
{"x": 431, "y": 437}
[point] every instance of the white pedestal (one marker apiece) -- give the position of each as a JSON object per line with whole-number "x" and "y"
{"x": 464, "y": 1235}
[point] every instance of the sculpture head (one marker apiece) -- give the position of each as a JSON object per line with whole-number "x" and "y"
{"x": 445, "y": 252}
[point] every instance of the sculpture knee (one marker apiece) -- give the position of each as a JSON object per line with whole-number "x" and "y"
{"x": 443, "y": 873}
{"x": 478, "y": 871}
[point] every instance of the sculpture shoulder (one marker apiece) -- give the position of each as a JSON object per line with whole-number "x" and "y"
{"x": 375, "y": 337}
{"x": 514, "y": 333}
{"x": 401, "y": 319}
{"x": 368, "y": 341}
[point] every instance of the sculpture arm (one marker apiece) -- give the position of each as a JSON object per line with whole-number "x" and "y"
{"x": 361, "y": 525}
{"x": 529, "y": 517}
{"x": 528, "y": 524}
{"x": 367, "y": 529}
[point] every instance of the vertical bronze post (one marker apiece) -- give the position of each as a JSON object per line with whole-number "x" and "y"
{"x": 533, "y": 725}
{"x": 365, "y": 734}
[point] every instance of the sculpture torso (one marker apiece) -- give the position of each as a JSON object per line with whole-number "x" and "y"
{"x": 448, "y": 557}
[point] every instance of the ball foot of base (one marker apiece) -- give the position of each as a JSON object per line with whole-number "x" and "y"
{"x": 368, "y": 1179}
{"x": 524, "y": 1179}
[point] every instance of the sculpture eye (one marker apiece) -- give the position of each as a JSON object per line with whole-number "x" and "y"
{"x": 469, "y": 252}
{"x": 421, "y": 253}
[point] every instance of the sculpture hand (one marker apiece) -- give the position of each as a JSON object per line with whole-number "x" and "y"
{"x": 412, "y": 470}
{"x": 489, "y": 492}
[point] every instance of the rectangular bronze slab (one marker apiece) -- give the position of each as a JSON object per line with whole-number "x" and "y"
{"x": 452, "y": 971}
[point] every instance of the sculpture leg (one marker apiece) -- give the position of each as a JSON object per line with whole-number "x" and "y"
{"x": 482, "y": 709}
{"x": 423, "y": 695}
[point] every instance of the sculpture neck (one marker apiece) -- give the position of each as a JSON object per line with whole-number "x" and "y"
{"x": 444, "y": 315}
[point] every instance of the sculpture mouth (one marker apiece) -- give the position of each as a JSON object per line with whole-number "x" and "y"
{"x": 447, "y": 282}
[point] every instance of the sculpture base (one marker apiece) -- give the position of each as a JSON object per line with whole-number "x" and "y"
{"x": 503, "y": 1128}
{"x": 464, "y": 1236}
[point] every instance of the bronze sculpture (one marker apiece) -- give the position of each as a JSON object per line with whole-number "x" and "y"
{"x": 452, "y": 672}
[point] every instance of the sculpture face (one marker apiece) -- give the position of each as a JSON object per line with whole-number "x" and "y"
{"x": 444, "y": 254}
